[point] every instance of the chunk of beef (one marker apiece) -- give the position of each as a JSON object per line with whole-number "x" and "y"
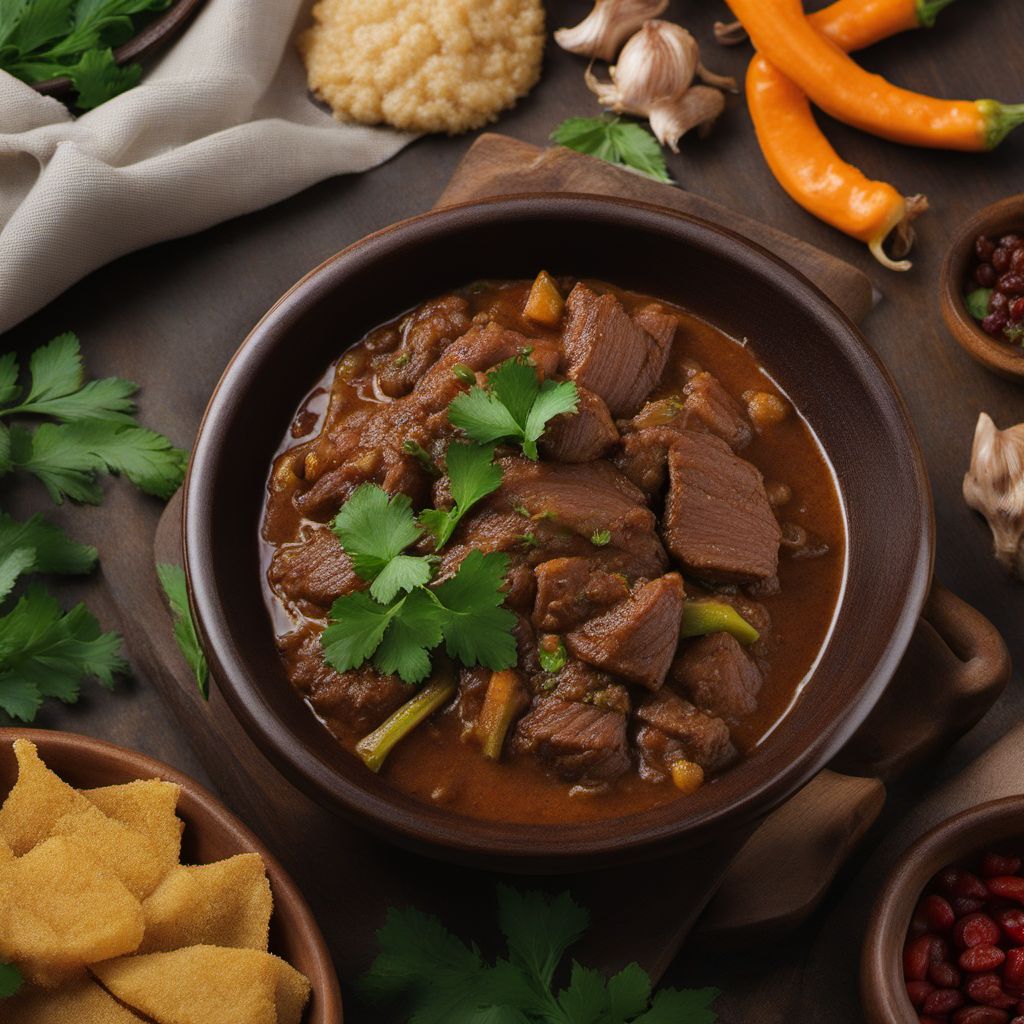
{"x": 581, "y": 436}
{"x": 425, "y": 334}
{"x": 637, "y": 638}
{"x": 643, "y": 457}
{"x": 570, "y": 590}
{"x": 582, "y": 682}
{"x": 615, "y": 355}
{"x": 718, "y": 676}
{"x": 313, "y": 572}
{"x": 581, "y": 742}
{"x": 672, "y": 729}
{"x": 351, "y": 703}
{"x": 718, "y": 522}
{"x": 708, "y": 404}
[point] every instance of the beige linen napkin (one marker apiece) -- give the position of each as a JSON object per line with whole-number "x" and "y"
{"x": 221, "y": 126}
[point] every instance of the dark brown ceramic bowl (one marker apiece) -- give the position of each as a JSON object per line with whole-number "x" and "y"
{"x": 211, "y": 833}
{"x": 956, "y": 839}
{"x": 799, "y": 335}
{"x": 995, "y": 220}
{"x": 153, "y": 35}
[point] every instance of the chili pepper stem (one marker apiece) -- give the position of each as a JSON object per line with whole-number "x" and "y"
{"x": 1000, "y": 120}
{"x": 929, "y": 10}
{"x": 903, "y": 235}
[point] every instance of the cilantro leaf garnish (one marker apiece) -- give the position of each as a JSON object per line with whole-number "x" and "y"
{"x": 46, "y": 653}
{"x": 374, "y": 529}
{"x": 53, "y": 549}
{"x": 408, "y": 640}
{"x": 514, "y": 406}
{"x": 10, "y": 980}
{"x": 609, "y": 138}
{"x": 477, "y": 630}
{"x": 473, "y": 475}
{"x": 172, "y": 580}
{"x": 436, "y": 978}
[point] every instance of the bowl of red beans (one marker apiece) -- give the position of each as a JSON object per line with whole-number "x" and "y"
{"x": 945, "y": 944}
{"x": 982, "y": 287}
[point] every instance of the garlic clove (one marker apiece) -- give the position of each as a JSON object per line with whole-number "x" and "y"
{"x": 698, "y": 108}
{"x": 611, "y": 22}
{"x": 994, "y": 486}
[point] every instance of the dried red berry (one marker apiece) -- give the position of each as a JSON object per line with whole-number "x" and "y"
{"x": 944, "y": 976}
{"x": 1011, "y": 284}
{"x": 937, "y": 912}
{"x": 943, "y": 1001}
{"x": 1012, "y": 923}
{"x": 1013, "y": 969}
{"x": 993, "y": 864}
{"x": 1017, "y": 260}
{"x": 1008, "y": 887}
{"x": 1011, "y": 241}
{"x": 1001, "y": 259}
{"x": 985, "y": 275}
{"x": 984, "y": 247}
{"x": 919, "y": 954}
{"x": 999, "y": 303}
{"x": 918, "y": 992}
{"x": 988, "y": 990}
{"x": 976, "y": 930}
{"x": 980, "y": 1015}
{"x": 992, "y": 324}
{"x": 1016, "y": 311}
{"x": 981, "y": 958}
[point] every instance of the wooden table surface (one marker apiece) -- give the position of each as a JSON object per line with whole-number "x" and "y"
{"x": 170, "y": 317}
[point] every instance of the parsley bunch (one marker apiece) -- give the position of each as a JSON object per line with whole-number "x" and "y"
{"x": 399, "y": 619}
{"x": 441, "y": 980}
{"x": 609, "y": 138}
{"x": 42, "y": 39}
{"x": 44, "y": 651}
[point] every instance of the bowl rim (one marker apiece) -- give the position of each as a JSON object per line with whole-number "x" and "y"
{"x": 881, "y": 973}
{"x": 136, "y": 765}
{"x": 996, "y": 218}
{"x": 459, "y": 837}
{"x": 153, "y": 35}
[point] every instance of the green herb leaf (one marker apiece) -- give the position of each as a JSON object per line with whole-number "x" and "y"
{"x": 410, "y": 636}
{"x": 477, "y": 630}
{"x": 601, "y": 538}
{"x": 539, "y": 929}
{"x": 13, "y": 563}
{"x": 472, "y": 474}
{"x": 9, "y": 389}
{"x": 624, "y": 143}
{"x": 585, "y": 1001}
{"x": 357, "y": 627}
{"x": 374, "y": 528}
{"x": 514, "y": 405}
{"x": 687, "y": 1006}
{"x": 977, "y": 302}
{"x": 10, "y": 976}
{"x": 46, "y": 653}
{"x": 172, "y": 579}
{"x": 553, "y": 661}
{"x": 54, "y": 550}
{"x": 629, "y": 992}
{"x": 402, "y": 574}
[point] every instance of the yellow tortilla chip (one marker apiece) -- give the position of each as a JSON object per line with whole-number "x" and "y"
{"x": 83, "y": 1002}
{"x": 222, "y": 904}
{"x": 6, "y": 853}
{"x": 134, "y": 858}
{"x": 208, "y": 985}
{"x": 35, "y": 803}
{"x": 60, "y": 909}
{"x": 148, "y": 806}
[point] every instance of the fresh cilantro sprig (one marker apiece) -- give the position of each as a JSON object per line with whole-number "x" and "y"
{"x": 10, "y": 980}
{"x": 624, "y": 143}
{"x": 472, "y": 474}
{"x": 514, "y": 405}
{"x": 38, "y": 546}
{"x": 438, "y": 979}
{"x": 172, "y": 580}
{"x": 96, "y": 430}
{"x": 41, "y": 39}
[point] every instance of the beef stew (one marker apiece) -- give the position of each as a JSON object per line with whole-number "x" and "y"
{"x": 681, "y": 487}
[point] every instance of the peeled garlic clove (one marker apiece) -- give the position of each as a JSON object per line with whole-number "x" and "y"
{"x": 699, "y": 108}
{"x": 600, "y": 34}
{"x": 994, "y": 486}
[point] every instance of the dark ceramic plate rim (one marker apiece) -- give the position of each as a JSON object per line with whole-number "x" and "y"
{"x": 154, "y": 35}
{"x": 469, "y": 837}
{"x": 141, "y": 766}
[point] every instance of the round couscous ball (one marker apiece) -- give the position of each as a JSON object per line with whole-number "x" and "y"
{"x": 423, "y": 65}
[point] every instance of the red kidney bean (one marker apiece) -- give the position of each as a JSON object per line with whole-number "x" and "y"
{"x": 1013, "y": 970}
{"x": 993, "y": 864}
{"x": 985, "y": 275}
{"x": 1009, "y": 887}
{"x": 984, "y": 247}
{"x": 1012, "y": 923}
{"x": 976, "y": 930}
{"x": 992, "y": 324}
{"x": 978, "y": 959}
{"x": 918, "y": 992}
{"x": 1001, "y": 259}
{"x": 1011, "y": 284}
{"x": 1016, "y": 311}
{"x": 943, "y": 1001}
{"x": 938, "y": 912}
{"x": 980, "y": 1015}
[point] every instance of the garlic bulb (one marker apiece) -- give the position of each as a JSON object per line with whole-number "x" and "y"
{"x": 994, "y": 486}
{"x": 652, "y": 79}
{"x": 600, "y": 34}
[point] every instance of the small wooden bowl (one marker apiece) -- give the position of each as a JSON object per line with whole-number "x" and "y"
{"x": 995, "y": 220}
{"x": 211, "y": 833}
{"x": 149, "y": 38}
{"x": 883, "y": 992}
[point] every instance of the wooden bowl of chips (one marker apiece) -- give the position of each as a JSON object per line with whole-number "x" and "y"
{"x": 211, "y": 834}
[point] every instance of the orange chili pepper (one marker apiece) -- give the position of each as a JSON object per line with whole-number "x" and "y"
{"x": 784, "y": 36}
{"x": 799, "y": 155}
